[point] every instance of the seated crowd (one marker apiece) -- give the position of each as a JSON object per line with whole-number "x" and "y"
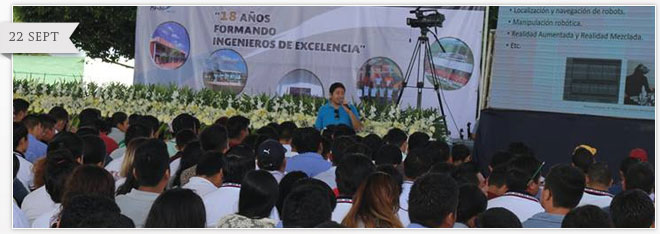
{"x": 122, "y": 172}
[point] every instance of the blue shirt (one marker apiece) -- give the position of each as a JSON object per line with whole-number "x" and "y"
{"x": 326, "y": 116}
{"x": 36, "y": 149}
{"x": 311, "y": 163}
{"x": 415, "y": 225}
{"x": 544, "y": 220}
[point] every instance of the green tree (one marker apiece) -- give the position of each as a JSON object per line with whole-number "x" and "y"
{"x": 104, "y": 32}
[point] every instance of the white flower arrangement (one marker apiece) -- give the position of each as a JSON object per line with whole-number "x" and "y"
{"x": 165, "y": 103}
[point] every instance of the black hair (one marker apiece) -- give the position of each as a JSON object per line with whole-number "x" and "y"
{"x": 184, "y": 121}
{"x": 498, "y": 217}
{"x": 640, "y": 176}
{"x": 134, "y": 119}
{"x": 521, "y": 171}
{"x": 81, "y": 207}
{"x": 351, "y": 171}
{"x": 31, "y": 121}
{"x": 588, "y": 216}
{"x": 151, "y": 161}
{"x": 151, "y": 122}
{"x": 258, "y": 194}
{"x": 235, "y": 168}
{"x": 20, "y": 105}
{"x": 466, "y": 173}
{"x": 459, "y": 152}
{"x": 566, "y": 184}
{"x": 135, "y": 131}
{"x": 269, "y": 132}
{"x": 336, "y": 85}
{"x": 417, "y": 140}
{"x": 416, "y": 163}
{"x": 93, "y": 150}
{"x": 59, "y": 165}
{"x": 393, "y": 172}
{"x": 500, "y": 158}
{"x": 306, "y": 140}
{"x": 20, "y": 132}
{"x": 131, "y": 181}
{"x": 599, "y": 173}
{"x": 339, "y": 146}
{"x": 286, "y": 129}
{"x": 107, "y": 220}
{"x": 632, "y": 209}
{"x": 177, "y": 208}
{"x": 519, "y": 149}
{"x": 118, "y": 118}
{"x": 497, "y": 177}
{"x": 471, "y": 202}
{"x": 242, "y": 150}
{"x": 285, "y": 187}
{"x": 438, "y": 151}
{"x": 305, "y": 207}
{"x": 189, "y": 158}
{"x": 582, "y": 158}
{"x": 214, "y": 137}
{"x": 184, "y": 137}
{"x": 444, "y": 168}
{"x": 235, "y": 125}
{"x": 47, "y": 121}
{"x": 87, "y": 130}
{"x": 17, "y": 166}
{"x": 388, "y": 154}
{"x": 89, "y": 115}
{"x": 343, "y": 130}
{"x": 210, "y": 164}
{"x": 68, "y": 141}
{"x": 323, "y": 185}
{"x": 59, "y": 113}
{"x": 395, "y": 137}
{"x": 625, "y": 164}
{"x": 374, "y": 142}
{"x": 359, "y": 148}
{"x": 432, "y": 198}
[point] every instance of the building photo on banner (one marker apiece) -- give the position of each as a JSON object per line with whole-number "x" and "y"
{"x": 336, "y": 117}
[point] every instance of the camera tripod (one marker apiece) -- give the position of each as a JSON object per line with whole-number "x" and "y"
{"x": 423, "y": 41}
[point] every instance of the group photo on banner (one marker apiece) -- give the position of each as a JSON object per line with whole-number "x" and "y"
{"x": 335, "y": 117}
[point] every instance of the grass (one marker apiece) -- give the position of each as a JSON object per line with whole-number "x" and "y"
{"x": 48, "y": 69}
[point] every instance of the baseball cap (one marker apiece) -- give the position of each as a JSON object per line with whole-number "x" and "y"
{"x": 640, "y": 154}
{"x": 270, "y": 154}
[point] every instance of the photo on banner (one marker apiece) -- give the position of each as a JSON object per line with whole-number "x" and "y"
{"x": 302, "y": 50}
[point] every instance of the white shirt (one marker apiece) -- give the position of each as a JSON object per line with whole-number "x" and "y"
{"x": 200, "y": 186}
{"x": 25, "y": 174}
{"x": 114, "y": 167}
{"x": 45, "y": 220}
{"x": 278, "y": 175}
{"x": 136, "y": 205}
{"x": 36, "y": 203}
{"x": 119, "y": 152}
{"x": 20, "y": 221}
{"x": 221, "y": 202}
{"x": 117, "y": 135}
{"x": 341, "y": 210}
{"x": 119, "y": 182}
{"x": 595, "y": 197}
{"x": 328, "y": 177}
{"x": 522, "y": 205}
{"x": 174, "y": 166}
{"x": 405, "y": 192}
{"x": 403, "y": 217}
{"x": 289, "y": 153}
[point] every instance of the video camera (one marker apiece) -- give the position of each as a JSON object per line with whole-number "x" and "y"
{"x": 425, "y": 21}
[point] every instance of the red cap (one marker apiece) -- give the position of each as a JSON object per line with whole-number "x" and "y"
{"x": 640, "y": 154}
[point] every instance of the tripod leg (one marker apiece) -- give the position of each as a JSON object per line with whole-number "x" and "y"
{"x": 436, "y": 85}
{"x": 406, "y": 77}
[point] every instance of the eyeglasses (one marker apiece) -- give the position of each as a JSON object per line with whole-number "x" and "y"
{"x": 538, "y": 170}
{"x": 336, "y": 113}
